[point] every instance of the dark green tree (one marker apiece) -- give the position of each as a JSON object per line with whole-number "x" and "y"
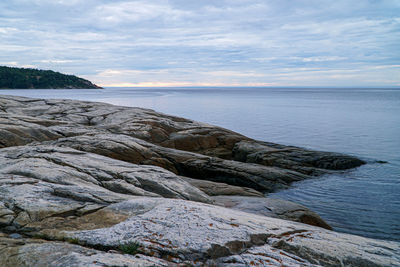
{"x": 23, "y": 78}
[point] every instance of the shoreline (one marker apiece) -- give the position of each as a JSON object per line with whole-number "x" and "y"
{"x": 62, "y": 142}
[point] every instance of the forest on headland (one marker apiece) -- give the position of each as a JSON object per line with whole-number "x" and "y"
{"x": 26, "y": 78}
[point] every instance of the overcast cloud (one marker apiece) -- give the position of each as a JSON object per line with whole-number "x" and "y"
{"x": 195, "y": 43}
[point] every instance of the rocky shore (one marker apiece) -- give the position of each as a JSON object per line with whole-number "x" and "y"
{"x": 92, "y": 184}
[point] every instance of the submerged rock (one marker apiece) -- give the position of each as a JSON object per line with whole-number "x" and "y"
{"x": 88, "y": 184}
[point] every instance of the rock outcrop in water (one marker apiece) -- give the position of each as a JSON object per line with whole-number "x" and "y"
{"x": 91, "y": 184}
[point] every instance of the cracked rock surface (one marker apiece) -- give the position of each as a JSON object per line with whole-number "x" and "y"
{"x": 92, "y": 184}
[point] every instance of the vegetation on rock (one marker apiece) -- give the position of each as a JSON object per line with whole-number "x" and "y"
{"x": 22, "y": 78}
{"x": 131, "y": 248}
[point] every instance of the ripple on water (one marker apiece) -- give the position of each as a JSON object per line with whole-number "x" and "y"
{"x": 353, "y": 202}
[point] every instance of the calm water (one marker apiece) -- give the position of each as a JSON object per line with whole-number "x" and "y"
{"x": 361, "y": 122}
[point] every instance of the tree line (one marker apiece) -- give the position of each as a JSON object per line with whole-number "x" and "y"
{"x": 24, "y": 78}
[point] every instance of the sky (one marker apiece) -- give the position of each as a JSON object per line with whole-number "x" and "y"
{"x": 288, "y": 43}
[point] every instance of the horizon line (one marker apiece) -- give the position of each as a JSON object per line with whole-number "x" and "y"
{"x": 249, "y": 86}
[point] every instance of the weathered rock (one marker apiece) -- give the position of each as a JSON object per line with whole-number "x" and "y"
{"x": 293, "y": 158}
{"x": 222, "y": 189}
{"x": 6, "y": 215}
{"x": 271, "y": 207}
{"x": 171, "y": 132}
{"x": 40, "y": 253}
{"x": 200, "y": 233}
{"x": 17, "y": 130}
{"x": 37, "y": 182}
{"x": 67, "y": 168}
{"x": 99, "y": 176}
{"x": 190, "y": 164}
{"x": 112, "y": 131}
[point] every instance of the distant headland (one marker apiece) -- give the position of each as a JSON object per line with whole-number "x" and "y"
{"x": 25, "y": 78}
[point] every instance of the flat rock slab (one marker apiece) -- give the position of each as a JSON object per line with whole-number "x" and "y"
{"x": 222, "y": 189}
{"x": 184, "y": 231}
{"x": 272, "y": 207}
{"x": 28, "y": 253}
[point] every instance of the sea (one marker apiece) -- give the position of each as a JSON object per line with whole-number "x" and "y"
{"x": 360, "y": 122}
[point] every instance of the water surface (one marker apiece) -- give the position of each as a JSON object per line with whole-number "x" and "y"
{"x": 360, "y": 122}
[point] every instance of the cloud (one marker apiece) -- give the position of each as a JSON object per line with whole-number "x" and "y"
{"x": 16, "y": 64}
{"x": 321, "y": 59}
{"x": 177, "y": 42}
{"x": 136, "y": 11}
{"x": 56, "y": 61}
{"x": 10, "y": 63}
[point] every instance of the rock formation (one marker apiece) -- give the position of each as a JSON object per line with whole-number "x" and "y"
{"x": 92, "y": 184}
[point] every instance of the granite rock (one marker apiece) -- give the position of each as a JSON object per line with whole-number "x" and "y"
{"x": 272, "y": 207}
{"x": 183, "y": 231}
{"x": 79, "y": 179}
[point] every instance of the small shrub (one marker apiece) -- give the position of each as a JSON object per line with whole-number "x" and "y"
{"x": 73, "y": 241}
{"x": 131, "y": 248}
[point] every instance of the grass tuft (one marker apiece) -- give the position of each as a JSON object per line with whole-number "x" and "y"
{"x": 73, "y": 241}
{"x": 131, "y": 248}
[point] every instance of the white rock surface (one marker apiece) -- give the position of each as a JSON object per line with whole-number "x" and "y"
{"x": 189, "y": 231}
